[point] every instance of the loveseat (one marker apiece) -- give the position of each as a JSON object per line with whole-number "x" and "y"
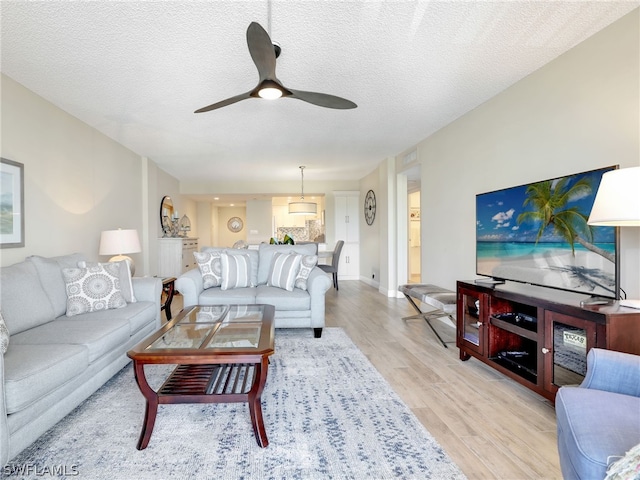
{"x": 302, "y": 306}
{"x": 53, "y": 361}
{"x": 599, "y": 421}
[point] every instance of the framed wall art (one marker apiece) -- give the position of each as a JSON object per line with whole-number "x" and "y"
{"x": 11, "y": 204}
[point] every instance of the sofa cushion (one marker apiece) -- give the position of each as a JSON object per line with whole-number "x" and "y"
{"x": 96, "y": 334}
{"x": 210, "y": 268}
{"x": 284, "y": 270}
{"x": 33, "y": 371}
{"x": 238, "y": 296}
{"x": 236, "y": 271}
{"x": 93, "y": 288}
{"x": 124, "y": 274}
{"x": 266, "y": 252}
{"x": 283, "y": 300}
{"x": 25, "y": 303}
{"x": 137, "y": 315}
{"x": 50, "y": 273}
{"x": 4, "y": 335}
{"x": 307, "y": 264}
{"x": 596, "y": 430}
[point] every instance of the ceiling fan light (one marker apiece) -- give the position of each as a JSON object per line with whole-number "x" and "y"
{"x": 270, "y": 93}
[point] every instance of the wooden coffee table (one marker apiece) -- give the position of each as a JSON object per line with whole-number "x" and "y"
{"x": 222, "y": 356}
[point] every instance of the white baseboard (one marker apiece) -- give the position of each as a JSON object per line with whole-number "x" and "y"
{"x": 370, "y": 281}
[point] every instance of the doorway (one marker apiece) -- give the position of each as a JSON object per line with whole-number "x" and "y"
{"x": 414, "y": 263}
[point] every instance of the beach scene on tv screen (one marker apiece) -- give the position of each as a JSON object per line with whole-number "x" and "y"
{"x": 538, "y": 234}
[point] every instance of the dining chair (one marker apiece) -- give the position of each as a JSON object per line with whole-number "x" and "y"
{"x": 335, "y": 259}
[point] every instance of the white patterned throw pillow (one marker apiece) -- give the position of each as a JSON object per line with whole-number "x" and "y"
{"x": 236, "y": 270}
{"x": 210, "y": 268}
{"x": 284, "y": 270}
{"x": 307, "y": 264}
{"x": 126, "y": 284}
{"x": 4, "y": 335}
{"x": 93, "y": 288}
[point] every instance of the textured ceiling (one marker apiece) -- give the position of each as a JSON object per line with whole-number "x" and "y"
{"x": 136, "y": 71}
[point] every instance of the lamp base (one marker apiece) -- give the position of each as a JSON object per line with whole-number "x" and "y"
{"x": 119, "y": 258}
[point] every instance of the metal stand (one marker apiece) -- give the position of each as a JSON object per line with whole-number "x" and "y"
{"x": 428, "y": 316}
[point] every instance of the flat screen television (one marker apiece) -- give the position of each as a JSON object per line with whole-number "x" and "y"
{"x": 538, "y": 234}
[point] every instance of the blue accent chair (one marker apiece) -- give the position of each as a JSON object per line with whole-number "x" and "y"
{"x": 599, "y": 421}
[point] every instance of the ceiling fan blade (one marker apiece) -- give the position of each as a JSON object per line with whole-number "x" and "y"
{"x": 262, "y": 51}
{"x": 224, "y": 103}
{"x": 322, "y": 99}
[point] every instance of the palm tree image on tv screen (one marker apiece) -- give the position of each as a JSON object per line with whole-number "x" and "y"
{"x": 538, "y": 234}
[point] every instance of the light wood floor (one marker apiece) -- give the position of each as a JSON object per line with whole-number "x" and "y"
{"x": 489, "y": 425}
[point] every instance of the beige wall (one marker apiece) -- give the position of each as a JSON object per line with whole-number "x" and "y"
{"x": 370, "y": 234}
{"x": 577, "y": 113}
{"x": 226, "y": 238}
{"x": 77, "y": 181}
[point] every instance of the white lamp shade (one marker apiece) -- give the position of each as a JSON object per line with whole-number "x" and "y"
{"x": 303, "y": 208}
{"x": 117, "y": 242}
{"x": 617, "y": 202}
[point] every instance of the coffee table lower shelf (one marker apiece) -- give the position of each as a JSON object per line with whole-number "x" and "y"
{"x": 206, "y": 383}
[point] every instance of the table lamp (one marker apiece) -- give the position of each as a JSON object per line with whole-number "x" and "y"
{"x": 617, "y": 204}
{"x": 119, "y": 243}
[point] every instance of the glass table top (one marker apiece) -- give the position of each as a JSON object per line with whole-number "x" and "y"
{"x": 214, "y": 327}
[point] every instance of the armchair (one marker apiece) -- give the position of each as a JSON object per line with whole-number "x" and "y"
{"x": 599, "y": 421}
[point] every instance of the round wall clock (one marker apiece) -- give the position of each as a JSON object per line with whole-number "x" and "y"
{"x": 370, "y": 207}
{"x": 235, "y": 224}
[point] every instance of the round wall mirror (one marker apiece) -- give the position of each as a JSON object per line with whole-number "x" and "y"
{"x": 166, "y": 212}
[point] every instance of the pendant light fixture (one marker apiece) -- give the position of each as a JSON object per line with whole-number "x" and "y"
{"x": 302, "y": 207}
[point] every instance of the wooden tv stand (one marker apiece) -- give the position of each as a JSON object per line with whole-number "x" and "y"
{"x": 539, "y": 341}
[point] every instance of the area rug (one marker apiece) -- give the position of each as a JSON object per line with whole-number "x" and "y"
{"x": 328, "y": 414}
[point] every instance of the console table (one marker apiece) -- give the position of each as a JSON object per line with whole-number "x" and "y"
{"x": 168, "y": 289}
{"x": 175, "y": 255}
{"x": 540, "y": 342}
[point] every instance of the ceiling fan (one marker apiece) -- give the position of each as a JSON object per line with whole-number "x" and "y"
{"x": 264, "y": 54}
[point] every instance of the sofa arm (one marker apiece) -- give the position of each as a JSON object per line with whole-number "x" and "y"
{"x": 149, "y": 289}
{"x": 612, "y": 371}
{"x": 190, "y": 286}
{"x": 317, "y": 285}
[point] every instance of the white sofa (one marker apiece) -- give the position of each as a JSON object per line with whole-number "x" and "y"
{"x": 293, "y": 309}
{"x": 54, "y": 362}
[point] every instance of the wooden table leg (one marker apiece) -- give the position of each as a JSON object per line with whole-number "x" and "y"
{"x": 255, "y": 404}
{"x": 151, "y": 408}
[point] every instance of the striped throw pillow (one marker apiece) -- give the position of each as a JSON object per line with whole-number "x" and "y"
{"x": 284, "y": 270}
{"x": 236, "y": 271}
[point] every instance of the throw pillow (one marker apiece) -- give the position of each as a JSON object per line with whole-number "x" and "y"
{"x": 4, "y": 335}
{"x": 284, "y": 270}
{"x": 126, "y": 284}
{"x": 210, "y": 268}
{"x": 307, "y": 264}
{"x": 627, "y": 468}
{"x": 93, "y": 288}
{"x": 236, "y": 271}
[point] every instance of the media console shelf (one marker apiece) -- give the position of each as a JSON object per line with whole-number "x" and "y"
{"x": 539, "y": 341}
